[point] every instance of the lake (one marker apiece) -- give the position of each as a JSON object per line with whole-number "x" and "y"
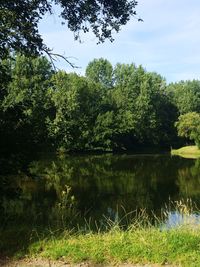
{"x": 93, "y": 190}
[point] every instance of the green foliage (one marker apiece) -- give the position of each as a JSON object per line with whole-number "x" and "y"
{"x": 120, "y": 108}
{"x": 19, "y": 26}
{"x": 76, "y": 104}
{"x": 100, "y": 71}
{"x": 186, "y": 96}
{"x": 141, "y": 104}
{"x": 24, "y": 106}
{"x": 20, "y": 19}
{"x": 106, "y": 130}
{"x": 188, "y": 126}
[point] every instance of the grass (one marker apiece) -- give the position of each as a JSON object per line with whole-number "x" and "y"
{"x": 141, "y": 243}
{"x": 175, "y": 246}
{"x": 187, "y": 152}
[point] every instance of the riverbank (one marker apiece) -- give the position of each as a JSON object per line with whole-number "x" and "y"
{"x": 187, "y": 152}
{"x": 143, "y": 243}
{"x": 143, "y": 246}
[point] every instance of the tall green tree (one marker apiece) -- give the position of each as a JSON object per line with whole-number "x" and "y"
{"x": 140, "y": 111}
{"x": 76, "y": 102}
{"x": 125, "y": 108}
{"x": 100, "y": 71}
{"x": 188, "y": 126}
{"x": 186, "y": 96}
{"x": 25, "y": 104}
{"x": 143, "y": 96}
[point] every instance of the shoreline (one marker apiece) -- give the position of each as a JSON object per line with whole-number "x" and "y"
{"x": 190, "y": 152}
{"x": 138, "y": 246}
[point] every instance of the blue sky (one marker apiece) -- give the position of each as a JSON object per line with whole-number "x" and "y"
{"x": 168, "y": 41}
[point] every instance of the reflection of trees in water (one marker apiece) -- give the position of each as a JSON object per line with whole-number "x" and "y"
{"x": 56, "y": 190}
{"x": 188, "y": 181}
{"x": 17, "y": 199}
{"x": 131, "y": 182}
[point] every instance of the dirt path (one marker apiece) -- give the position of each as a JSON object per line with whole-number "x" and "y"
{"x": 48, "y": 263}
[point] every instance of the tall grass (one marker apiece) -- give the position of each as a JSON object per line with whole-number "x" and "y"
{"x": 143, "y": 241}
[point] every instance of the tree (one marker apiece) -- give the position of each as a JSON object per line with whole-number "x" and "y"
{"x": 108, "y": 110}
{"x": 188, "y": 125}
{"x": 186, "y": 96}
{"x": 24, "y": 107}
{"x": 76, "y": 103}
{"x": 100, "y": 71}
{"x": 142, "y": 96}
{"x": 19, "y": 21}
{"x": 138, "y": 111}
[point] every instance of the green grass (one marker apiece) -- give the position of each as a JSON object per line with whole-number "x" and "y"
{"x": 150, "y": 245}
{"x": 187, "y": 152}
{"x": 142, "y": 243}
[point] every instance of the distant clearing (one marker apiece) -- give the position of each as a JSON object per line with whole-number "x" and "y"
{"x": 192, "y": 152}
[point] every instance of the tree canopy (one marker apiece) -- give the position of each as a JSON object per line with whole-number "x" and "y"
{"x": 186, "y": 95}
{"x": 100, "y": 71}
{"x": 120, "y": 107}
{"x": 19, "y": 21}
{"x": 188, "y": 126}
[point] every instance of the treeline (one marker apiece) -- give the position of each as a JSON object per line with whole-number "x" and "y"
{"x": 111, "y": 108}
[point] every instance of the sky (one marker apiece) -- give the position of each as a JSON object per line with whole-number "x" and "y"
{"x": 167, "y": 42}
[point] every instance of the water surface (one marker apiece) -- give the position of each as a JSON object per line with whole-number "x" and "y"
{"x": 62, "y": 190}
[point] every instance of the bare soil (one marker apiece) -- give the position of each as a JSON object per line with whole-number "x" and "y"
{"x": 48, "y": 263}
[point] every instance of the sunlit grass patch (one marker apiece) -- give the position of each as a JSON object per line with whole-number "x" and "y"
{"x": 187, "y": 152}
{"x": 150, "y": 245}
{"x": 142, "y": 242}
